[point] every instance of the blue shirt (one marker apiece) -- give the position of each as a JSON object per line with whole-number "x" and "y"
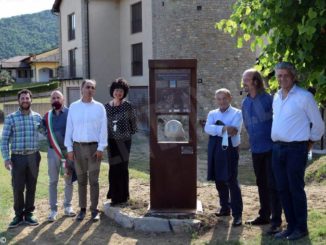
{"x": 20, "y": 132}
{"x": 59, "y": 126}
{"x": 257, "y": 115}
{"x": 230, "y": 117}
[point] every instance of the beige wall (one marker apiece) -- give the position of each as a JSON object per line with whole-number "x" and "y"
{"x": 68, "y": 7}
{"x": 127, "y": 39}
{"x": 104, "y": 41}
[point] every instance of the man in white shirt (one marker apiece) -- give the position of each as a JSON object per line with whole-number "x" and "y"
{"x": 86, "y": 139}
{"x": 223, "y": 126}
{"x": 297, "y": 123}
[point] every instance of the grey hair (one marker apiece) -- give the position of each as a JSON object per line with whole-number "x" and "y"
{"x": 224, "y": 91}
{"x": 287, "y": 66}
{"x": 86, "y": 81}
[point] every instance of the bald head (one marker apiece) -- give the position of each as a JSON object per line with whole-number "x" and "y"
{"x": 57, "y": 100}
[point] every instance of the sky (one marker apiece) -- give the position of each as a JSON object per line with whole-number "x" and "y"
{"x": 10, "y": 8}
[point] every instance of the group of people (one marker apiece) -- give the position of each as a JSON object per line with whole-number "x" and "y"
{"x": 77, "y": 139}
{"x": 281, "y": 129}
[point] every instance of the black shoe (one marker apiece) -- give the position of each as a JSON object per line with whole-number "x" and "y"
{"x": 237, "y": 221}
{"x": 282, "y": 234}
{"x": 31, "y": 220}
{"x": 273, "y": 230}
{"x": 223, "y": 213}
{"x": 257, "y": 221}
{"x": 95, "y": 215}
{"x": 16, "y": 222}
{"x": 296, "y": 234}
{"x": 81, "y": 215}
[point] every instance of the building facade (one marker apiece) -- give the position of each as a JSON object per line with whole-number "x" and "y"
{"x": 117, "y": 38}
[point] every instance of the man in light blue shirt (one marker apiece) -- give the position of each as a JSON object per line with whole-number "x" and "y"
{"x": 223, "y": 126}
{"x": 297, "y": 123}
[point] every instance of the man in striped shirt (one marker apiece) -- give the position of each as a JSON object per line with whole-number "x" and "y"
{"x": 20, "y": 131}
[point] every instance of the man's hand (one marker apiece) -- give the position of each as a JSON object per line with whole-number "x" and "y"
{"x": 310, "y": 144}
{"x": 70, "y": 156}
{"x": 8, "y": 164}
{"x": 231, "y": 130}
{"x": 98, "y": 155}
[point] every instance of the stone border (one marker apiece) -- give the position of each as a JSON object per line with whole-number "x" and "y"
{"x": 150, "y": 224}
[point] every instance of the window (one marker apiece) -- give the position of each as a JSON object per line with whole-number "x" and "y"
{"x": 136, "y": 18}
{"x": 71, "y": 26}
{"x": 22, "y": 74}
{"x": 50, "y": 73}
{"x": 72, "y": 63}
{"x": 137, "y": 59}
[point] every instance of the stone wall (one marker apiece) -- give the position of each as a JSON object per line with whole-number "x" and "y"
{"x": 185, "y": 29}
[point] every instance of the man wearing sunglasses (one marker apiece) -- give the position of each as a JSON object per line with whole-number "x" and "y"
{"x": 86, "y": 139}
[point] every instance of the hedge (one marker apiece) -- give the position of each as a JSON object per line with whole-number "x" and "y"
{"x": 34, "y": 87}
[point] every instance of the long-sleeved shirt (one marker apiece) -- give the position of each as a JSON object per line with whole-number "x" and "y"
{"x": 230, "y": 117}
{"x": 257, "y": 116}
{"x": 293, "y": 115}
{"x": 59, "y": 126}
{"x": 20, "y": 131}
{"x": 86, "y": 123}
{"x": 121, "y": 121}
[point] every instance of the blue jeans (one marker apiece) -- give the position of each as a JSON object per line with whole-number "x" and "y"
{"x": 288, "y": 162}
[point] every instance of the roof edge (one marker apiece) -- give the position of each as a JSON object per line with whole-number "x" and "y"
{"x": 56, "y": 6}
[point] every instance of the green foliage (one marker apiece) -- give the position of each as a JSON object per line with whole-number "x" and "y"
{"x": 34, "y": 87}
{"x": 316, "y": 172}
{"x": 292, "y": 31}
{"x": 29, "y": 33}
{"x": 5, "y": 78}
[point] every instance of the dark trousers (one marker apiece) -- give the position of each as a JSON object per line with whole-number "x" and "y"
{"x": 118, "y": 152}
{"x": 270, "y": 203}
{"x": 24, "y": 176}
{"x": 289, "y": 162}
{"x": 229, "y": 190}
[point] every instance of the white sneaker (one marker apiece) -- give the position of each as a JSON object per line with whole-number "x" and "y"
{"x": 52, "y": 216}
{"x": 69, "y": 212}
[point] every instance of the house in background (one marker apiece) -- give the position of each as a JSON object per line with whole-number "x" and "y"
{"x": 45, "y": 65}
{"x": 106, "y": 39}
{"x": 33, "y": 68}
{"x": 18, "y": 68}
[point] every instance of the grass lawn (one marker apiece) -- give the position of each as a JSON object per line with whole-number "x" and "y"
{"x": 139, "y": 168}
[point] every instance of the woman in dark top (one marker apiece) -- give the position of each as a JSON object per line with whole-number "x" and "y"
{"x": 121, "y": 126}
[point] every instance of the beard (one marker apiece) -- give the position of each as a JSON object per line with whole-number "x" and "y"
{"x": 25, "y": 106}
{"x": 56, "y": 105}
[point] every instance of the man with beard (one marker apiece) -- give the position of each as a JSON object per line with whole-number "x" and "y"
{"x": 257, "y": 117}
{"x": 86, "y": 138}
{"x": 55, "y": 122}
{"x": 20, "y": 131}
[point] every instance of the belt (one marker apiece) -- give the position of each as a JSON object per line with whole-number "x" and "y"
{"x": 26, "y": 152}
{"x": 85, "y": 143}
{"x": 291, "y": 142}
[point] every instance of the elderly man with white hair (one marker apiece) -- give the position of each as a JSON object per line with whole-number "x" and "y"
{"x": 223, "y": 126}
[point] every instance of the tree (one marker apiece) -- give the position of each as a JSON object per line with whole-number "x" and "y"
{"x": 5, "y": 78}
{"x": 283, "y": 30}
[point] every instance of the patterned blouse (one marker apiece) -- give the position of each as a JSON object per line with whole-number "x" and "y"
{"x": 121, "y": 121}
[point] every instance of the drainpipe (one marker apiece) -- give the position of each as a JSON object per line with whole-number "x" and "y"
{"x": 88, "y": 48}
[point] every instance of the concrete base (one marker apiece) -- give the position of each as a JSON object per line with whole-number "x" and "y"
{"x": 175, "y": 213}
{"x": 152, "y": 224}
